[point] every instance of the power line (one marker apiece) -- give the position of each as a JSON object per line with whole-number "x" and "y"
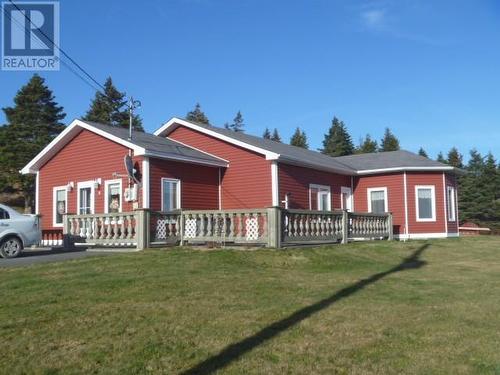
{"x": 131, "y": 104}
{"x": 59, "y": 48}
{"x": 83, "y": 79}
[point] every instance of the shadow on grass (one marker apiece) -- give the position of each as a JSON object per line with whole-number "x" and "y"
{"x": 235, "y": 351}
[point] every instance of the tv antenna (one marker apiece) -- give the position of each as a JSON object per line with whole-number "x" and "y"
{"x": 132, "y": 104}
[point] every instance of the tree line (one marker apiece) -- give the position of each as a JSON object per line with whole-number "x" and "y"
{"x": 36, "y": 118}
{"x": 337, "y": 141}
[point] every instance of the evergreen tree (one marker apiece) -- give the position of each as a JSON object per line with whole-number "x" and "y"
{"x": 110, "y": 108}
{"x": 299, "y": 139}
{"x": 367, "y": 145}
{"x": 389, "y": 142}
{"x": 237, "y": 125}
{"x": 440, "y": 158}
{"x": 455, "y": 158}
{"x": 197, "y": 115}
{"x": 471, "y": 197}
{"x": 32, "y": 123}
{"x": 337, "y": 141}
{"x": 490, "y": 203}
{"x": 276, "y": 136}
{"x": 266, "y": 134}
{"x": 422, "y": 152}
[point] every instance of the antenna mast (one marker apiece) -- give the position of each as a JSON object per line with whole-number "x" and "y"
{"x": 132, "y": 104}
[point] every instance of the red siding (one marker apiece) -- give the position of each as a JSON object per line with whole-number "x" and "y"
{"x": 87, "y": 157}
{"x": 395, "y": 191}
{"x": 296, "y": 180}
{"x": 433, "y": 179}
{"x": 246, "y": 183}
{"x": 199, "y": 184}
{"x": 395, "y": 196}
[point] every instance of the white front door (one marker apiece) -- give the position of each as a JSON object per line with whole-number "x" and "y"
{"x": 346, "y": 198}
{"x": 85, "y": 199}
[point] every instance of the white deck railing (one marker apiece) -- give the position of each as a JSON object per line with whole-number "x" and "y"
{"x": 272, "y": 227}
{"x": 118, "y": 229}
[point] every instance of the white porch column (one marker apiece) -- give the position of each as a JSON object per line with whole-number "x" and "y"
{"x": 145, "y": 182}
{"x": 275, "y": 183}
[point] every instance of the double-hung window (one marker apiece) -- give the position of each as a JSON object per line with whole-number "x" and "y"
{"x": 377, "y": 200}
{"x": 170, "y": 194}
{"x": 425, "y": 200}
{"x": 59, "y": 205}
{"x": 319, "y": 197}
{"x": 450, "y": 202}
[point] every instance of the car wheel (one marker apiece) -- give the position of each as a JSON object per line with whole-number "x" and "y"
{"x": 11, "y": 247}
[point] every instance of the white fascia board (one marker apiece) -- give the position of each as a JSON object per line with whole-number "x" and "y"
{"x": 174, "y": 122}
{"x": 28, "y": 168}
{"x": 407, "y": 169}
{"x": 167, "y": 156}
{"x": 67, "y": 135}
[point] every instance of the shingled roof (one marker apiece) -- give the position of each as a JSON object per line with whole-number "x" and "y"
{"x": 153, "y": 144}
{"x": 350, "y": 165}
{"x": 396, "y": 160}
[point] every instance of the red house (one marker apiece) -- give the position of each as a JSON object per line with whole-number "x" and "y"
{"x": 185, "y": 165}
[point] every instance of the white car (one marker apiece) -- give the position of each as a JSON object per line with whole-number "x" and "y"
{"x": 17, "y": 232}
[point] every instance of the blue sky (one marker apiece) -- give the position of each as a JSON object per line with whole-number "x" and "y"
{"x": 427, "y": 69}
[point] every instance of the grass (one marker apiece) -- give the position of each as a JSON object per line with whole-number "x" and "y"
{"x": 386, "y": 308}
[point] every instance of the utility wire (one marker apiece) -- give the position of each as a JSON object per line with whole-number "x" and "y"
{"x": 59, "y": 48}
{"x": 83, "y": 79}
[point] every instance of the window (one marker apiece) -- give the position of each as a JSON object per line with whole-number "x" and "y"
{"x": 86, "y": 198}
{"x": 60, "y": 205}
{"x": 426, "y": 203}
{"x": 4, "y": 215}
{"x": 346, "y": 198}
{"x": 113, "y": 198}
{"x": 319, "y": 197}
{"x": 377, "y": 200}
{"x": 450, "y": 201}
{"x": 170, "y": 194}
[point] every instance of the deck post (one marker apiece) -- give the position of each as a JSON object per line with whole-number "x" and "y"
{"x": 181, "y": 228}
{"x": 345, "y": 226}
{"x": 274, "y": 227}
{"x": 142, "y": 225}
{"x": 390, "y": 237}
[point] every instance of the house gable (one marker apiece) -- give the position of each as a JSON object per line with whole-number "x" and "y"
{"x": 246, "y": 183}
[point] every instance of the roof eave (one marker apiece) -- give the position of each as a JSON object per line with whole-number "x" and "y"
{"x": 185, "y": 159}
{"x": 301, "y": 163}
{"x": 406, "y": 169}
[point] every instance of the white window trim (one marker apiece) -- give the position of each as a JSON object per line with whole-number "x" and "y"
{"x": 433, "y": 205}
{"x": 345, "y": 190}
{"x": 82, "y": 185}
{"x": 452, "y": 214}
{"x": 54, "y": 208}
{"x": 325, "y": 187}
{"x": 106, "y": 195}
{"x": 369, "y": 194}
{"x": 178, "y": 193}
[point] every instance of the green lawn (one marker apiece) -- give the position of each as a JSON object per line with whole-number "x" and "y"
{"x": 420, "y": 307}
